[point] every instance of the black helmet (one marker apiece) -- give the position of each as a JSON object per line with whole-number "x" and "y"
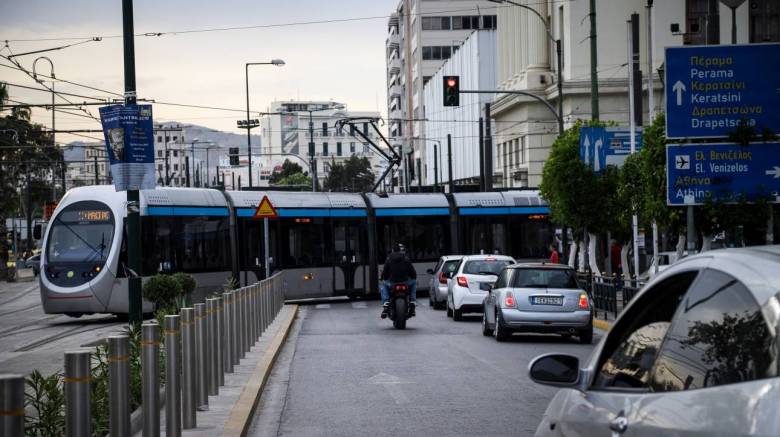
{"x": 399, "y": 247}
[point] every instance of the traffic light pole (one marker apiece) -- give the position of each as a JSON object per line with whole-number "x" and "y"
{"x": 135, "y": 303}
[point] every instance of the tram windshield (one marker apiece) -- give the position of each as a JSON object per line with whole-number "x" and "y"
{"x": 81, "y": 233}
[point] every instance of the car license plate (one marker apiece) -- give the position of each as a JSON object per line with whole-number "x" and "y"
{"x": 546, "y": 300}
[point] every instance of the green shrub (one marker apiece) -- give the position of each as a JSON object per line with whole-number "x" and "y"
{"x": 187, "y": 282}
{"x": 45, "y": 405}
{"x": 230, "y": 284}
{"x": 163, "y": 290}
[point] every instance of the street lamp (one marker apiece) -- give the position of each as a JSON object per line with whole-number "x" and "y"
{"x": 558, "y": 51}
{"x": 249, "y": 126}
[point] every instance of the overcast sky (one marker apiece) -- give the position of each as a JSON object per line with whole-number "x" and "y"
{"x": 343, "y": 61}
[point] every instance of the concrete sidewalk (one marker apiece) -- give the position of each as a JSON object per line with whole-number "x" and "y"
{"x": 230, "y": 413}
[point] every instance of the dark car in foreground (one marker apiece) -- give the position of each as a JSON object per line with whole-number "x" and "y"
{"x": 696, "y": 353}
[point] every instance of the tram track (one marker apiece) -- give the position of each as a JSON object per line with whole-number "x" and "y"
{"x": 17, "y": 297}
{"x": 19, "y": 310}
{"x": 25, "y": 325}
{"x": 80, "y": 329}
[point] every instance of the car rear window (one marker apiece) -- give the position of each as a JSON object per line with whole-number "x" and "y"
{"x": 450, "y": 266}
{"x": 485, "y": 266}
{"x": 544, "y": 278}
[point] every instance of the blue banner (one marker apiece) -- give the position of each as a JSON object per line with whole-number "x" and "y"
{"x": 697, "y": 172}
{"x": 129, "y": 136}
{"x": 603, "y": 146}
{"x": 710, "y": 90}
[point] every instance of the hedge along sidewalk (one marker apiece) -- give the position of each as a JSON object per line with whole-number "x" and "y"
{"x": 230, "y": 413}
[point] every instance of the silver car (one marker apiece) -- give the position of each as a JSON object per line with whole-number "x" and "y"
{"x": 537, "y": 297}
{"x": 440, "y": 274}
{"x": 696, "y": 353}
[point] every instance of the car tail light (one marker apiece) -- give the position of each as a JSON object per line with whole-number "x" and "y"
{"x": 583, "y": 304}
{"x": 509, "y": 300}
{"x": 462, "y": 281}
{"x": 442, "y": 278}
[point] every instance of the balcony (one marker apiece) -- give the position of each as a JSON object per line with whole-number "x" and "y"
{"x": 393, "y": 41}
{"x": 394, "y": 66}
{"x": 396, "y": 91}
{"x": 396, "y": 115}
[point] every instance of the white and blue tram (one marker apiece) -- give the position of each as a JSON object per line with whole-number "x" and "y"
{"x": 325, "y": 244}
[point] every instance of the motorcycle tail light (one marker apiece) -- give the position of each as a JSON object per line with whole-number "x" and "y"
{"x": 583, "y": 304}
{"x": 442, "y": 278}
{"x": 509, "y": 300}
{"x": 462, "y": 281}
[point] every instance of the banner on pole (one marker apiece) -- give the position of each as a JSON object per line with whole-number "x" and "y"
{"x": 129, "y": 135}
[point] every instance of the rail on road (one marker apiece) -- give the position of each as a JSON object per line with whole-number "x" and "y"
{"x": 203, "y": 343}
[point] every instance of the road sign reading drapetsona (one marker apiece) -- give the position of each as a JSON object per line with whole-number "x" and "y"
{"x": 129, "y": 136}
{"x": 710, "y": 90}
{"x": 697, "y": 172}
{"x": 265, "y": 209}
{"x": 603, "y": 146}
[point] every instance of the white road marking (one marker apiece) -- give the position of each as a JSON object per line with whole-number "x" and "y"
{"x": 358, "y": 305}
{"x": 323, "y": 306}
{"x": 392, "y": 384}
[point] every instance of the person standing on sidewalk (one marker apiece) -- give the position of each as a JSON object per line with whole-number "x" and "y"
{"x": 554, "y": 257}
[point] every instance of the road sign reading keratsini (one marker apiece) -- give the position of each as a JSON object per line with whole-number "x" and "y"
{"x": 129, "y": 136}
{"x": 711, "y": 90}
{"x": 726, "y": 172}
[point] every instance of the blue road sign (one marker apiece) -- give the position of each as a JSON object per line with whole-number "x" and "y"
{"x": 603, "y": 146}
{"x": 711, "y": 89}
{"x": 697, "y": 172}
{"x": 129, "y": 136}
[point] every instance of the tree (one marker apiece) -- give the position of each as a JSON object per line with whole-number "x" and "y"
{"x": 295, "y": 179}
{"x": 353, "y": 175}
{"x": 289, "y": 168}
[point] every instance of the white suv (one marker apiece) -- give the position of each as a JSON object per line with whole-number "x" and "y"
{"x": 471, "y": 281}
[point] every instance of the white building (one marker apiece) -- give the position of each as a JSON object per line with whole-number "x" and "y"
{"x": 475, "y": 63}
{"x": 422, "y": 35}
{"x": 287, "y": 135}
{"x": 527, "y": 62}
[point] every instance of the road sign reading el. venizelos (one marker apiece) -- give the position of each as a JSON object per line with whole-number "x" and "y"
{"x": 710, "y": 90}
{"x": 697, "y": 172}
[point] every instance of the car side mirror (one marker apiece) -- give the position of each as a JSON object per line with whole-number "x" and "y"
{"x": 430, "y": 271}
{"x": 558, "y": 370}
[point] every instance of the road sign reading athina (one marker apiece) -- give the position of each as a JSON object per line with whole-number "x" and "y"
{"x": 265, "y": 209}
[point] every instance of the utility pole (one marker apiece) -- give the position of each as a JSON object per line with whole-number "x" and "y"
{"x": 435, "y": 166}
{"x": 594, "y": 62}
{"x": 97, "y": 172}
{"x": 312, "y": 154}
{"x": 651, "y": 109}
{"x": 449, "y": 162}
{"x": 135, "y": 315}
{"x": 481, "y": 154}
{"x": 488, "y": 150}
{"x": 633, "y": 60}
{"x": 187, "y": 170}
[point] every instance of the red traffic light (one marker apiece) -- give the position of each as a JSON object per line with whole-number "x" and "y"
{"x": 452, "y": 82}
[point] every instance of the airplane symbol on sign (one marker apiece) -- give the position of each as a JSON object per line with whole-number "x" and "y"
{"x": 683, "y": 162}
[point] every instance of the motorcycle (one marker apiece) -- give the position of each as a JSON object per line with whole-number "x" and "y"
{"x": 399, "y": 305}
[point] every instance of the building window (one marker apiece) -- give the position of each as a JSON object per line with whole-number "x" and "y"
{"x": 175, "y": 138}
{"x": 365, "y": 129}
{"x": 159, "y": 153}
{"x": 436, "y": 23}
{"x": 159, "y": 167}
{"x": 175, "y": 167}
{"x": 436, "y": 53}
{"x": 159, "y": 138}
{"x": 175, "y": 153}
{"x": 366, "y": 148}
{"x": 466, "y": 23}
{"x": 702, "y": 22}
{"x": 352, "y": 130}
{"x": 489, "y": 22}
{"x": 338, "y": 149}
{"x": 324, "y": 149}
{"x": 167, "y": 138}
{"x": 325, "y": 129}
{"x": 351, "y": 148}
{"x": 764, "y": 21}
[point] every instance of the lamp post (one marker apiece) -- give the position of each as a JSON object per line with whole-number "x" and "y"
{"x": 436, "y": 148}
{"x": 278, "y": 63}
{"x": 558, "y": 51}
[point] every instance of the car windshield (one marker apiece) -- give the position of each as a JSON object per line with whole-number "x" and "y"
{"x": 83, "y": 232}
{"x": 489, "y": 266}
{"x": 544, "y": 278}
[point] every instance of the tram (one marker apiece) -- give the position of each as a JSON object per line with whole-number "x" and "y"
{"x": 325, "y": 244}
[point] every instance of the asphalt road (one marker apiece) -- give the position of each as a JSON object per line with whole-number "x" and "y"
{"x": 346, "y": 372}
{"x": 31, "y": 339}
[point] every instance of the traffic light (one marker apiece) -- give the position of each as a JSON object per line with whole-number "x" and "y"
{"x": 233, "y": 155}
{"x": 451, "y": 90}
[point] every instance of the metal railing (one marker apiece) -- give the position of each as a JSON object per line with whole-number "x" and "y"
{"x": 201, "y": 344}
{"x": 610, "y": 295}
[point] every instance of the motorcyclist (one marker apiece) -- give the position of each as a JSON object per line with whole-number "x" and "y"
{"x": 398, "y": 269}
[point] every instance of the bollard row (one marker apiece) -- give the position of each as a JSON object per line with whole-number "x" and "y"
{"x": 202, "y": 344}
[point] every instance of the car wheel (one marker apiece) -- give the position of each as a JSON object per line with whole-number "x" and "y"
{"x": 586, "y": 336}
{"x": 487, "y": 332}
{"x": 500, "y": 333}
{"x": 457, "y": 315}
{"x": 449, "y": 309}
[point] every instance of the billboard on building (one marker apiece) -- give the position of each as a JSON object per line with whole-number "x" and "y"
{"x": 290, "y": 134}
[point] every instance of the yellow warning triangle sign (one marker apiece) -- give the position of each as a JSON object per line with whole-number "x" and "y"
{"x": 265, "y": 209}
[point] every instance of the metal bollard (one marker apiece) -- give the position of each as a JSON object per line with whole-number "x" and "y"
{"x": 200, "y": 357}
{"x": 189, "y": 380}
{"x": 255, "y": 313}
{"x": 227, "y": 336}
{"x": 240, "y": 323}
{"x": 211, "y": 335}
{"x": 11, "y": 405}
{"x": 118, "y": 386}
{"x": 244, "y": 322}
{"x": 220, "y": 351}
{"x": 150, "y": 365}
{"x": 252, "y": 316}
{"x": 172, "y": 377}
{"x": 78, "y": 374}
{"x": 267, "y": 305}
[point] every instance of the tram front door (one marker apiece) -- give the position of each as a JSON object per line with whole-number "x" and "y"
{"x": 349, "y": 250}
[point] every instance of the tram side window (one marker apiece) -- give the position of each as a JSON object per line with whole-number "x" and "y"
{"x": 485, "y": 234}
{"x": 425, "y": 238}
{"x": 189, "y": 244}
{"x": 530, "y": 238}
{"x": 303, "y": 244}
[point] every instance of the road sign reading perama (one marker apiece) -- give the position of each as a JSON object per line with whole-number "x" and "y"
{"x": 697, "y": 172}
{"x": 265, "y": 209}
{"x": 710, "y": 90}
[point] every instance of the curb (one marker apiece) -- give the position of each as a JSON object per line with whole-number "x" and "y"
{"x": 242, "y": 412}
{"x": 602, "y": 324}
